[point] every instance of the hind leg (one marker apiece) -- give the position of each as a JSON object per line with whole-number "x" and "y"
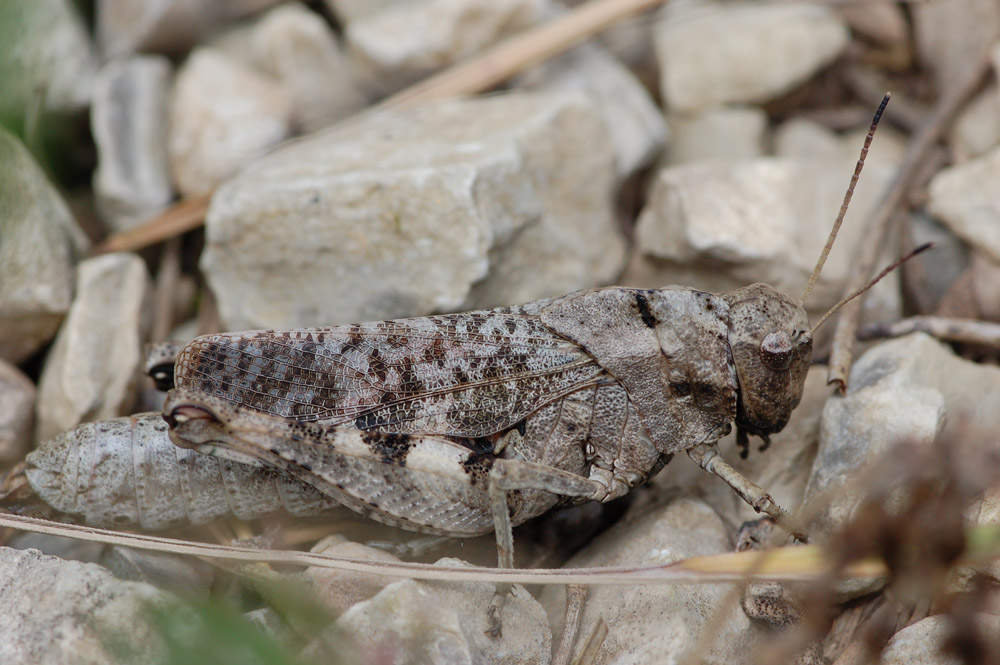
{"x": 507, "y": 475}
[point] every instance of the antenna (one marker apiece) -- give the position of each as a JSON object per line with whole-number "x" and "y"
{"x": 847, "y": 200}
{"x": 895, "y": 264}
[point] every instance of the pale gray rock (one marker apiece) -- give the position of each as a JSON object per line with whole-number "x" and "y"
{"x": 339, "y": 590}
{"x": 17, "y": 413}
{"x": 631, "y": 40}
{"x": 445, "y": 623}
{"x": 950, "y": 258}
{"x": 184, "y": 574}
{"x": 128, "y": 119}
{"x": 911, "y": 390}
{"x": 47, "y": 61}
{"x": 268, "y": 622}
{"x": 952, "y": 36}
{"x": 799, "y": 138}
{"x": 39, "y": 243}
{"x": 298, "y": 49}
{"x": 976, "y": 129}
{"x": 882, "y": 22}
{"x": 94, "y": 367}
{"x": 718, "y": 226}
{"x": 71, "y": 549}
{"x": 406, "y": 41}
{"x": 460, "y": 205}
{"x": 654, "y": 623}
{"x": 167, "y": 26}
{"x": 348, "y": 10}
{"x": 730, "y": 133}
{"x": 965, "y": 198}
{"x": 634, "y": 122}
{"x": 57, "y": 611}
{"x": 222, "y": 113}
{"x": 740, "y": 52}
{"x": 782, "y": 469}
{"x": 921, "y": 643}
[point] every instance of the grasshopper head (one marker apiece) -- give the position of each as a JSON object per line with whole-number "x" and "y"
{"x": 771, "y": 344}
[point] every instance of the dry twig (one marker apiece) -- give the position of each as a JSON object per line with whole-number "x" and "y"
{"x": 967, "y": 331}
{"x": 847, "y": 324}
{"x": 166, "y": 286}
{"x": 479, "y": 74}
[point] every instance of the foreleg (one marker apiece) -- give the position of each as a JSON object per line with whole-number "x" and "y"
{"x": 707, "y": 457}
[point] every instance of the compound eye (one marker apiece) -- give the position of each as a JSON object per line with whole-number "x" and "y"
{"x": 776, "y": 351}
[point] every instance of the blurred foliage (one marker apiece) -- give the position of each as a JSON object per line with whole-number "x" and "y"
{"x": 214, "y": 634}
{"x": 57, "y": 138}
{"x": 210, "y": 632}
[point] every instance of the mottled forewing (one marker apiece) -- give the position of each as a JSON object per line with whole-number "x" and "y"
{"x": 466, "y": 375}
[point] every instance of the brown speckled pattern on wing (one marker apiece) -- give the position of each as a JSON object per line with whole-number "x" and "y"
{"x": 466, "y": 375}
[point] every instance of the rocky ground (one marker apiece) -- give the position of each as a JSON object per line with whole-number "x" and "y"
{"x": 699, "y": 143}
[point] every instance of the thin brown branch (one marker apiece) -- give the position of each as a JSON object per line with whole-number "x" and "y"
{"x": 166, "y": 287}
{"x": 520, "y": 52}
{"x": 841, "y": 355}
{"x": 183, "y": 216}
{"x": 478, "y": 74}
{"x": 967, "y": 331}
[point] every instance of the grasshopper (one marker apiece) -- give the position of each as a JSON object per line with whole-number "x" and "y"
{"x": 462, "y": 424}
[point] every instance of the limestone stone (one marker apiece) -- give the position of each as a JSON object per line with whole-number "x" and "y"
{"x": 909, "y": 390}
{"x": 348, "y": 10}
{"x": 17, "y": 413}
{"x": 634, "y": 122}
{"x": 650, "y": 623}
{"x": 803, "y": 139}
{"x": 460, "y": 205}
{"x": 964, "y": 198}
{"x": 47, "y": 61}
{"x": 445, "y": 623}
{"x": 339, "y": 590}
{"x": 94, "y": 367}
{"x": 174, "y": 572}
{"x": 57, "y": 611}
{"x": 976, "y": 130}
{"x": 730, "y": 133}
{"x": 947, "y": 263}
{"x": 222, "y": 113}
{"x": 719, "y": 225}
{"x": 950, "y": 36}
{"x": 39, "y": 243}
{"x": 298, "y": 49}
{"x": 128, "y": 119}
{"x": 723, "y": 53}
{"x": 882, "y": 22}
{"x": 921, "y": 643}
{"x": 165, "y": 26}
{"x": 406, "y": 41}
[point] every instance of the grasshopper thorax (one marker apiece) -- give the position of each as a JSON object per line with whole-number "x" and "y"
{"x": 771, "y": 344}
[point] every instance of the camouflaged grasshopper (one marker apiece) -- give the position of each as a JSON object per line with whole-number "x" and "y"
{"x": 463, "y": 424}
